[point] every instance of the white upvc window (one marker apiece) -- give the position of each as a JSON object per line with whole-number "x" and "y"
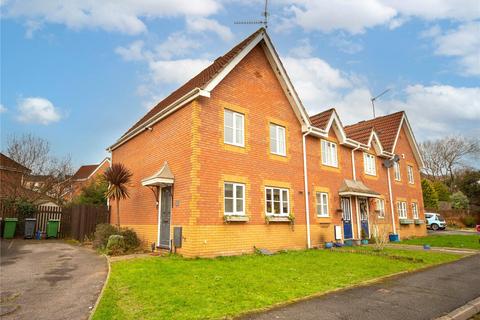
{"x": 402, "y": 209}
{"x": 277, "y": 201}
{"x": 277, "y": 140}
{"x": 415, "y": 210}
{"x": 234, "y": 198}
{"x": 322, "y": 204}
{"x": 381, "y": 208}
{"x": 369, "y": 164}
{"x": 234, "y": 128}
{"x": 410, "y": 174}
{"x": 396, "y": 171}
{"x": 329, "y": 153}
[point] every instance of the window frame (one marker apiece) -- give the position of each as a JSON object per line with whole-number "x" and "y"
{"x": 234, "y": 128}
{"x": 381, "y": 213}
{"x": 415, "y": 210}
{"x": 325, "y": 149}
{"x": 281, "y": 214}
{"x": 277, "y": 140}
{"x": 322, "y": 204}
{"x": 234, "y": 199}
{"x": 411, "y": 179}
{"x": 396, "y": 171}
{"x": 402, "y": 210}
{"x": 373, "y": 165}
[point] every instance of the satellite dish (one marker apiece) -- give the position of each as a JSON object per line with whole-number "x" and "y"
{"x": 387, "y": 163}
{"x": 396, "y": 158}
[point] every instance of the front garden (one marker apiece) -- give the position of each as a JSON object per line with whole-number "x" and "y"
{"x": 178, "y": 288}
{"x": 447, "y": 241}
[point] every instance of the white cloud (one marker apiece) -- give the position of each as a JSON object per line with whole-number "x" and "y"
{"x": 134, "y": 51}
{"x": 177, "y": 44}
{"x": 37, "y": 110}
{"x": 125, "y": 16}
{"x": 463, "y": 43}
{"x": 176, "y": 71}
{"x": 200, "y": 24}
{"x": 351, "y": 16}
{"x": 2, "y": 108}
{"x": 356, "y": 16}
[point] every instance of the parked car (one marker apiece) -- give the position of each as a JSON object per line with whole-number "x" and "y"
{"x": 435, "y": 221}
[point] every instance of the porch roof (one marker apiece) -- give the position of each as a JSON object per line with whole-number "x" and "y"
{"x": 356, "y": 188}
{"x": 163, "y": 177}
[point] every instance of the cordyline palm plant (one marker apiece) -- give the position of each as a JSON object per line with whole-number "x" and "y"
{"x": 118, "y": 178}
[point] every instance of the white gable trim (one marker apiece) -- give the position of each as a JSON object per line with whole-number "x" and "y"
{"x": 107, "y": 159}
{"x": 278, "y": 69}
{"x": 411, "y": 140}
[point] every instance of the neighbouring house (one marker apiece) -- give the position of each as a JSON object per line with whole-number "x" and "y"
{"x": 15, "y": 183}
{"x": 231, "y": 161}
{"x": 87, "y": 174}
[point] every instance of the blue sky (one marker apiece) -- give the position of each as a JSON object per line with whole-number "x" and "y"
{"x": 80, "y": 73}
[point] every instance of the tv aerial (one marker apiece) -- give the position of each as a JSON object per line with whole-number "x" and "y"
{"x": 375, "y": 98}
{"x": 263, "y": 22}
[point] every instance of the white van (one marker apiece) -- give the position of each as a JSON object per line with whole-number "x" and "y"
{"x": 435, "y": 221}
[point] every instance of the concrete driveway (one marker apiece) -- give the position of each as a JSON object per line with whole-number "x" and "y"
{"x": 49, "y": 279}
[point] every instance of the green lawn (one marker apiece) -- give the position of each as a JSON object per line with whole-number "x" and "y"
{"x": 453, "y": 241}
{"x": 177, "y": 288}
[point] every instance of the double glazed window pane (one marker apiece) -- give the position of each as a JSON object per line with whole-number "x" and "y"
{"x": 234, "y": 195}
{"x": 329, "y": 153}
{"x": 233, "y": 128}
{"x": 277, "y": 139}
{"x": 276, "y": 201}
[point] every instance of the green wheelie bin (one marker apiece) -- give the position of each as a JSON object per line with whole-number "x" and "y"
{"x": 10, "y": 224}
{"x": 52, "y": 228}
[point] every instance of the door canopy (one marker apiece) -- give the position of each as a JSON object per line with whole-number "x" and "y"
{"x": 356, "y": 188}
{"x": 164, "y": 177}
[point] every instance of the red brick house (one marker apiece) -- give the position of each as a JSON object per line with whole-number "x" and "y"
{"x": 235, "y": 162}
{"x": 86, "y": 174}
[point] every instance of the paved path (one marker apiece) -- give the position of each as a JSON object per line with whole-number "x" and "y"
{"x": 451, "y": 232}
{"x": 423, "y": 295}
{"x": 49, "y": 279}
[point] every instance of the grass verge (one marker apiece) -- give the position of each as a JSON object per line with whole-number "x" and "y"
{"x": 447, "y": 241}
{"x": 177, "y": 288}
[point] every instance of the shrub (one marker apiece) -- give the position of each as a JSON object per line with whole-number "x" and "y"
{"x": 469, "y": 221}
{"x": 115, "y": 245}
{"x": 442, "y": 191}
{"x": 102, "y": 234}
{"x": 132, "y": 241}
{"x": 459, "y": 200}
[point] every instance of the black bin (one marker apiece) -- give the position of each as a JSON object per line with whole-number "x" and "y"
{"x": 30, "y": 228}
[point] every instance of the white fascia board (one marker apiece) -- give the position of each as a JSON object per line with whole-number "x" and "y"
{"x": 411, "y": 140}
{"x": 99, "y": 166}
{"x": 161, "y": 115}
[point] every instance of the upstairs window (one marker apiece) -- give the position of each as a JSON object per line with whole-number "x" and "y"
{"x": 415, "y": 210}
{"x": 381, "y": 208}
{"x": 233, "y": 128}
{"x": 329, "y": 153}
{"x": 396, "y": 170}
{"x": 277, "y": 140}
{"x": 322, "y": 204}
{"x": 410, "y": 174}
{"x": 277, "y": 202}
{"x": 369, "y": 164}
{"x": 234, "y": 197}
{"x": 402, "y": 209}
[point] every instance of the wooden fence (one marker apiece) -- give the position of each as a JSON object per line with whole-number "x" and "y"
{"x": 76, "y": 222}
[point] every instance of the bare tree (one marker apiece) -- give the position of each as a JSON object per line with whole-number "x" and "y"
{"x": 30, "y": 151}
{"x": 444, "y": 157}
{"x": 34, "y": 153}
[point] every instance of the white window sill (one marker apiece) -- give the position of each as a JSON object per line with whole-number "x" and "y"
{"x": 330, "y": 165}
{"x": 322, "y": 216}
{"x": 234, "y": 144}
{"x": 278, "y": 218}
{"x": 371, "y": 174}
{"x": 278, "y": 154}
{"x": 235, "y": 218}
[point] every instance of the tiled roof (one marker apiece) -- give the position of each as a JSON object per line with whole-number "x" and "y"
{"x": 386, "y": 128}
{"x": 84, "y": 171}
{"x": 199, "y": 81}
{"x": 320, "y": 120}
{"x": 7, "y": 163}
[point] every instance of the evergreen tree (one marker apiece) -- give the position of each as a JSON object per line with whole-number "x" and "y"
{"x": 430, "y": 196}
{"x": 442, "y": 191}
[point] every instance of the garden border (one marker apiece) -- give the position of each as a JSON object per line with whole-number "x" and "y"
{"x": 105, "y": 283}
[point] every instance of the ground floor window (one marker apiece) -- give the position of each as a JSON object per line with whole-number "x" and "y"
{"x": 402, "y": 209}
{"x": 234, "y": 196}
{"x": 322, "y": 204}
{"x": 380, "y": 203}
{"x": 277, "y": 202}
{"x": 415, "y": 210}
